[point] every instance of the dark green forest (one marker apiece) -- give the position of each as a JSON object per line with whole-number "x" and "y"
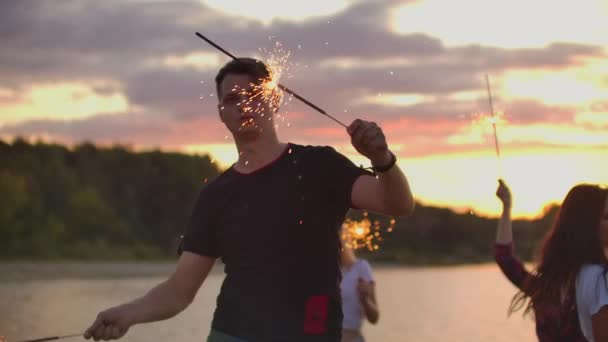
{"x": 110, "y": 203}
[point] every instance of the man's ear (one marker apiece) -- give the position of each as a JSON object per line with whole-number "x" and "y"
{"x": 220, "y": 111}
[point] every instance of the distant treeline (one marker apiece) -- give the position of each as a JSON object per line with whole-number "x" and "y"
{"x": 89, "y": 202}
{"x": 441, "y": 236}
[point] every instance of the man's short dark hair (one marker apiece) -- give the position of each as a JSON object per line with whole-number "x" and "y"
{"x": 256, "y": 69}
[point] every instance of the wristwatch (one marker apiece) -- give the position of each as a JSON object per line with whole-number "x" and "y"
{"x": 391, "y": 163}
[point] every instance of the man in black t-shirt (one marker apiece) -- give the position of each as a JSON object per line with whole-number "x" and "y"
{"x": 273, "y": 218}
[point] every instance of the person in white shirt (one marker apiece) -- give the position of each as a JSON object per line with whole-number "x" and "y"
{"x": 358, "y": 295}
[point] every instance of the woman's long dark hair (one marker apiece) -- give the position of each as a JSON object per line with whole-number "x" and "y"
{"x": 572, "y": 242}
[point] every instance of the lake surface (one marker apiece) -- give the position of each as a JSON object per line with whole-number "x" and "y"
{"x": 462, "y": 303}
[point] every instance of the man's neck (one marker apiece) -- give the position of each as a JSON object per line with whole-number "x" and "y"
{"x": 257, "y": 153}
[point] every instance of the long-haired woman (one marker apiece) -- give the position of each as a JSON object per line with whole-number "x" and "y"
{"x": 572, "y": 267}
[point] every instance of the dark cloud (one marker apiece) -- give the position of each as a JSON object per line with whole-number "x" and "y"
{"x": 555, "y": 55}
{"x": 132, "y": 128}
{"x": 531, "y": 112}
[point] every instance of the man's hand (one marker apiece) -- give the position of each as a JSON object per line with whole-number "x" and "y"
{"x": 110, "y": 324}
{"x": 369, "y": 140}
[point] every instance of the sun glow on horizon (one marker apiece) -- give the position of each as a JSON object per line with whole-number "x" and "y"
{"x": 537, "y": 177}
{"x": 60, "y": 101}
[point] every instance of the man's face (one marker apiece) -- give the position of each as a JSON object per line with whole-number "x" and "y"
{"x": 243, "y": 112}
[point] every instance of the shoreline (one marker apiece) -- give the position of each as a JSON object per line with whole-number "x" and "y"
{"x": 57, "y": 270}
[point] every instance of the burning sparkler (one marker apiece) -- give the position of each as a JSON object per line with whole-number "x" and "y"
{"x": 493, "y": 121}
{"x": 265, "y": 92}
{"x": 43, "y": 339}
{"x": 274, "y": 83}
{"x": 364, "y": 233}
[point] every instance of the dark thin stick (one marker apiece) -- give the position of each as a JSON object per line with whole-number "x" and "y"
{"x": 52, "y": 338}
{"x": 494, "y": 126}
{"x": 493, "y": 116}
{"x": 215, "y": 45}
{"x": 284, "y": 88}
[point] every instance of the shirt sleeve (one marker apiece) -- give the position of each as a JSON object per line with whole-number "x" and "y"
{"x": 342, "y": 174}
{"x": 365, "y": 271}
{"x": 595, "y": 288}
{"x": 510, "y": 266}
{"x": 201, "y": 236}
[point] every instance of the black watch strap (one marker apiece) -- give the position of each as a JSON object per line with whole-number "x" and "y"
{"x": 384, "y": 168}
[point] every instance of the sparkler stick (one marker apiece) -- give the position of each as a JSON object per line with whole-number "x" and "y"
{"x": 282, "y": 87}
{"x": 497, "y": 148}
{"x": 52, "y": 338}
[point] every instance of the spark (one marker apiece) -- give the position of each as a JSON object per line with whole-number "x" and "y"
{"x": 280, "y": 86}
{"x": 364, "y": 233}
{"x": 265, "y": 94}
{"x": 483, "y": 119}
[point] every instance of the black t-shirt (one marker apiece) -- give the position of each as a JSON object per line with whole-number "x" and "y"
{"x": 277, "y": 232}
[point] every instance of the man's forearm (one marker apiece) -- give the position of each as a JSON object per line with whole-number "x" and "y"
{"x": 160, "y": 303}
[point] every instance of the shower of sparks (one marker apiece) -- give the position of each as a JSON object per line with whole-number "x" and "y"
{"x": 265, "y": 94}
{"x": 364, "y": 233}
{"x": 272, "y": 82}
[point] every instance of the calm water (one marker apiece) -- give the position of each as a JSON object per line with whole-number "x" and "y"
{"x": 465, "y": 303}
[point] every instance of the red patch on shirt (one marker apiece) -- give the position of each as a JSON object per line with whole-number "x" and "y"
{"x": 315, "y": 317}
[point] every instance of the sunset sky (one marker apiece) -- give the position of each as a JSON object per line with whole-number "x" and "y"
{"x": 133, "y": 72}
